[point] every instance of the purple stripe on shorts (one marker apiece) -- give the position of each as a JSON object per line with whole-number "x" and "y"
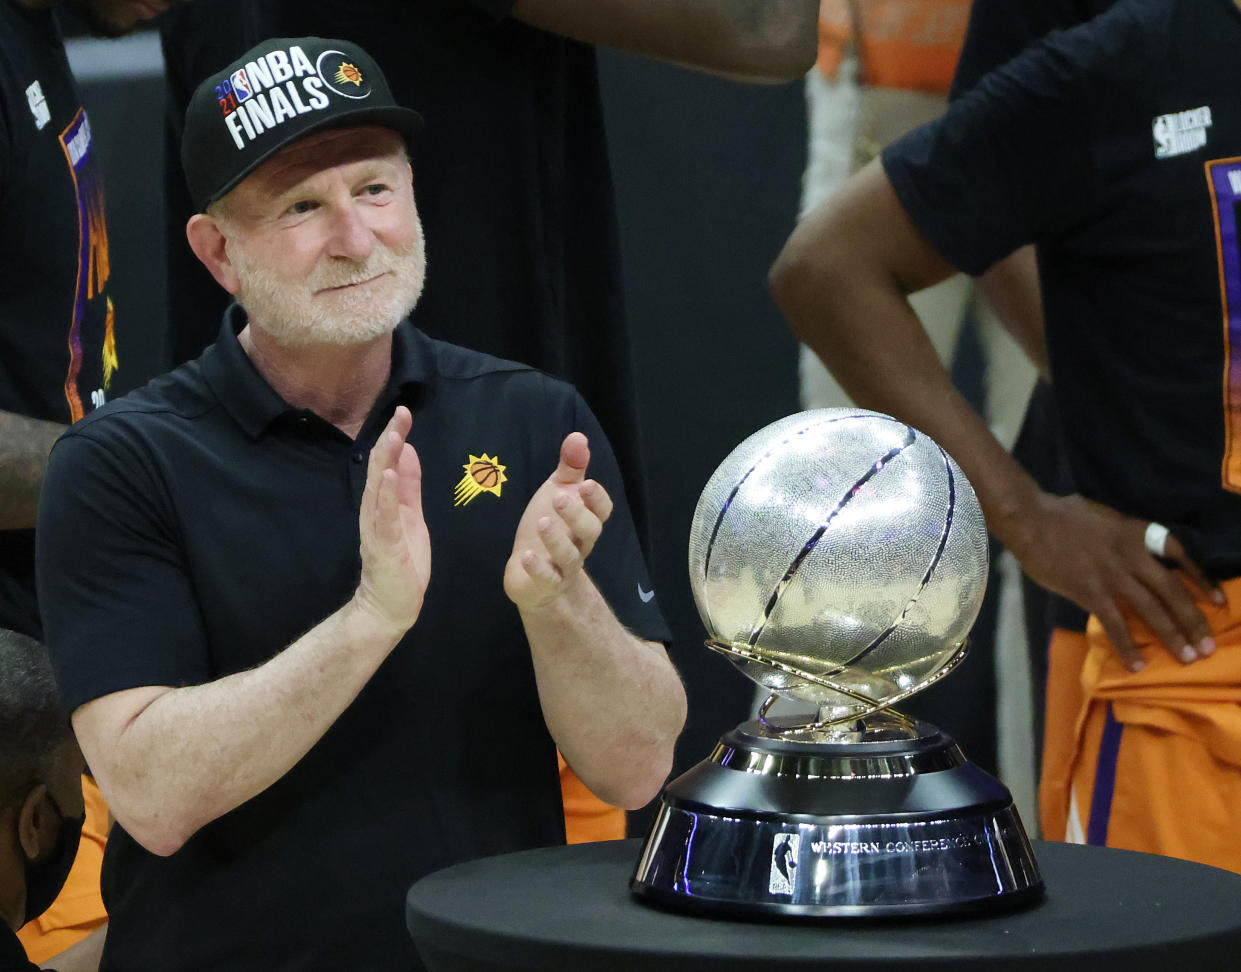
{"x": 1104, "y": 781}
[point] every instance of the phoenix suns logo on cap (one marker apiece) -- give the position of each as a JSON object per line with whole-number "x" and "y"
{"x": 483, "y": 474}
{"x": 343, "y": 75}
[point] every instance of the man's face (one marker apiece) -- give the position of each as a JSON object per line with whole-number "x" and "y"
{"x": 325, "y": 239}
{"x": 113, "y": 18}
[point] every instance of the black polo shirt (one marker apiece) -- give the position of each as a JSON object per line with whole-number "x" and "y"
{"x": 222, "y": 524}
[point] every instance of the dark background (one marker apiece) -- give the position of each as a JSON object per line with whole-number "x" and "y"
{"x": 707, "y": 176}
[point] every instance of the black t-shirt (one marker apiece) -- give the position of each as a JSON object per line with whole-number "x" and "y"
{"x": 1113, "y": 146}
{"x": 223, "y": 525}
{"x": 999, "y": 30}
{"x": 57, "y": 347}
{"x": 12, "y": 955}
{"x": 511, "y": 176}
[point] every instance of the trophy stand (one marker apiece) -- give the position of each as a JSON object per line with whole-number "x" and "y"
{"x": 838, "y": 557}
{"x": 881, "y": 817}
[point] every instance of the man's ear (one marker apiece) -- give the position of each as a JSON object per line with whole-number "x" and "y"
{"x": 207, "y": 241}
{"x": 32, "y": 824}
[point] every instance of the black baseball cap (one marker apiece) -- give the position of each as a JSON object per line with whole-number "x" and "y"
{"x": 275, "y": 94}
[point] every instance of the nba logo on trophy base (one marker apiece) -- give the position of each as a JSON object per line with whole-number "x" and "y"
{"x": 838, "y": 558}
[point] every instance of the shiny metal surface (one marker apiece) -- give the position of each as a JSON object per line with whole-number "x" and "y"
{"x": 886, "y": 726}
{"x": 847, "y": 702}
{"x": 847, "y": 829}
{"x": 838, "y": 549}
{"x": 733, "y": 862}
{"x": 838, "y": 557}
{"x": 830, "y": 766}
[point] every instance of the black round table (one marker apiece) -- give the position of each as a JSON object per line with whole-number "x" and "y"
{"x": 570, "y": 908}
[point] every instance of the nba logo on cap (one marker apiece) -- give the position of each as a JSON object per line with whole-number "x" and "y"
{"x": 241, "y": 85}
{"x": 232, "y": 91}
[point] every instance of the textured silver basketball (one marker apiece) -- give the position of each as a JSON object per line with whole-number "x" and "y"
{"x": 842, "y": 543}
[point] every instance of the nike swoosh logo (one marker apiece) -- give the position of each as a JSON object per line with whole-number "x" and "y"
{"x": 645, "y": 595}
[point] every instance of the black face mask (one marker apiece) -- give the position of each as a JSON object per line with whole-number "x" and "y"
{"x": 45, "y": 877}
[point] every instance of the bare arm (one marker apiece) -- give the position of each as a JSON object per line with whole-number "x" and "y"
{"x": 841, "y": 280}
{"x": 170, "y": 760}
{"x": 1011, "y": 287}
{"x": 24, "y": 447}
{"x": 612, "y": 702}
{"x": 750, "y": 40}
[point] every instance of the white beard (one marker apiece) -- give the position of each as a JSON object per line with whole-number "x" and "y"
{"x": 292, "y": 314}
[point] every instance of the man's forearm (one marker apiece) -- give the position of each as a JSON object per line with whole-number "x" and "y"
{"x": 24, "y": 447}
{"x": 748, "y": 40}
{"x": 897, "y": 372}
{"x": 613, "y": 703}
{"x": 171, "y": 760}
{"x": 1011, "y": 287}
{"x": 836, "y": 285}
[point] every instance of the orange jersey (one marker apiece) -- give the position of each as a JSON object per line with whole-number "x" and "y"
{"x": 912, "y": 45}
{"x": 586, "y": 817}
{"x": 1147, "y": 761}
{"x": 78, "y": 910}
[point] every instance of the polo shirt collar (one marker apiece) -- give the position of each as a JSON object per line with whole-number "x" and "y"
{"x": 254, "y": 404}
{"x": 413, "y": 359}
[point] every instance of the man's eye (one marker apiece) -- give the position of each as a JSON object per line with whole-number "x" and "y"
{"x": 301, "y": 208}
{"x": 376, "y": 189}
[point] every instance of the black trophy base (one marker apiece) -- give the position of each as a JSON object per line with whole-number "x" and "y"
{"x": 888, "y": 819}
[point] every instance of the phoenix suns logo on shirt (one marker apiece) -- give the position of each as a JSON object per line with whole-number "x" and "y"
{"x": 483, "y": 474}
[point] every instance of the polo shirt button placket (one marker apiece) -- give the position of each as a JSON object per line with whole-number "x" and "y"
{"x": 357, "y": 476}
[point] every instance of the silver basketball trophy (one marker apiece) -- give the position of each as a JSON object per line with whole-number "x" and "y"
{"x": 838, "y": 557}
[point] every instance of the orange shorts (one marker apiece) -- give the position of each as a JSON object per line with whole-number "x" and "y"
{"x": 912, "y": 45}
{"x": 78, "y": 910}
{"x": 1147, "y": 761}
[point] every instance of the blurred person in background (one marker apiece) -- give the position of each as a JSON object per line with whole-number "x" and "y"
{"x": 58, "y": 328}
{"x": 41, "y": 809}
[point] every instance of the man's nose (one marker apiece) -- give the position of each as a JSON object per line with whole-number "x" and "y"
{"x": 351, "y": 236}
